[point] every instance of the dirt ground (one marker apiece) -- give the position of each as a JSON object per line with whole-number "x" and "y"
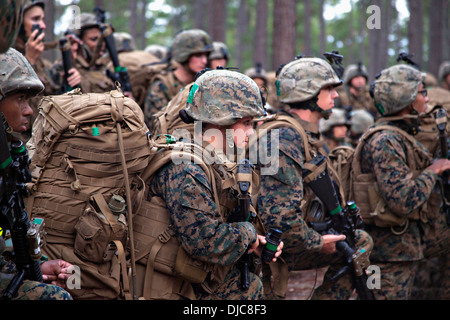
{"x": 302, "y": 283}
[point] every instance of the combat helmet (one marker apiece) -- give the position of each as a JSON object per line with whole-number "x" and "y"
{"x": 257, "y": 72}
{"x": 222, "y": 97}
{"x": 188, "y": 42}
{"x": 395, "y": 88}
{"x": 361, "y": 120}
{"x": 354, "y": 70}
{"x": 302, "y": 79}
{"x": 31, "y": 3}
{"x": 17, "y": 75}
{"x": 10, "y": 22}
{"x": 87, "y": 21}
{"x": 219, "y": 51}
{"x": 444, "y": 70}
{"x": 337, "y": 118}
{"x": 124, "y": 42}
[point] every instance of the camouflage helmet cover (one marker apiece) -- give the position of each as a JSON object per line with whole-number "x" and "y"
{"x": 302, "y": 79}
{"x": 11, "y": 13}
{"x": 444, "y": 70}
{"x": 31, "y": 3}
{"x": 396, "y": 88}
{"x": 124, "y": 42}
{"x": 87, "y": 21}
{"x": 337, "y": 118}
{"x": 188, "y": 42}
{"x": 257, "y": 72}
{"x": 17, "y": 75}
{"x": 353, "y": 71}
{"x": 219, "y": 51}
{"x": 221, "y": 97}
{"x": 361, "y": 120}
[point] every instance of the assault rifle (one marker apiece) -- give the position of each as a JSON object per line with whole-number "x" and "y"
{"x": 341, "y": 221}
{"x": 120, "y": 73}
{"x": 66, "y": 54}
{"x": 441, "y": 122}
{"x": 243, "y": 213}
{"x": 25, "y": 235}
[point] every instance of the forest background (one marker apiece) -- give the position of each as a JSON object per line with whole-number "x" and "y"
{"x": 273, "y": 32}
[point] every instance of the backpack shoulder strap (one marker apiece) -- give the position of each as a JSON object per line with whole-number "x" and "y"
{"x": 279, "y": 121}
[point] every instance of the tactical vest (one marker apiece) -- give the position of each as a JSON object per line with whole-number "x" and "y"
{"x": 164, "y": 269}
{"x": 312, "y": 148}
{"x": 276, "y": 280}
{"x": 366, "y": 193}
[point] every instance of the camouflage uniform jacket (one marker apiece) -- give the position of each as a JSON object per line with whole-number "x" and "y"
{"x": 385, "y": 155}
{"x": 94, "y": 79}
{"x": 159, "y": 94}
{"x": 281, "y": 195}
{"x": 199, "y": 226}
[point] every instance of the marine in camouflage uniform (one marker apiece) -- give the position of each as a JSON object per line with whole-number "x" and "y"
{"x": 185, "y": 45}
{"x": 284, "y": 199}
{"x": 19, "y": 78}
{"x": 407, "y": 184}
{"x": 88, "y": 57}
{"x": 41, "y": 65}
{"x": 219, "y": 98}
{"x": 355, "y": 97}
{"x": 335, "y": 130}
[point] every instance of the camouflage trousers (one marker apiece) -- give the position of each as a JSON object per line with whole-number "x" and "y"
{"x": 341, "y": 289}
{"x": 230, "y": 288}
{"x": 432, "y": 281}
{"x": 30, "y": 290}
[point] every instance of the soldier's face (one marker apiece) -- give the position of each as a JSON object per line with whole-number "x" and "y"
{"x": 358, "y": 82}
{"x": 16, "y": 110}
{"x": 34, "y": 15}
{"x": 326, "y": 98}
{"x": 218, "y": 62}
{"x": 90, "y": 37}
{"x": 197, "y": 62}
{"x": 241, "y": 130}
{"x": 420, "y": 104}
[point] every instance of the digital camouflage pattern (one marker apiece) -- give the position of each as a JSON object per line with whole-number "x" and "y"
{"x": 201, "y": 230}
{"x": 360, "y": 121}
{"x": 396, "y": 88}
{"x": 405, "y": 192}
{"x": 302, "y": 79}
{"x": 221, "y": 97}
{"x": 160, "y": 93}
{"x": 29, "y": 290}
{"x": 337, "y": 118}
{"x": 17, "y": 75}
{"x": 280, "y": 202}
{"x": 352, "y": 71}
{"x": 11, "y": 12}
{"x": 444, "y": 70}
{"x": 188, "y": 42}
{"x": 219, "y": 51}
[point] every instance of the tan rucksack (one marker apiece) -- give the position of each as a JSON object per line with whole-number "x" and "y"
{"x": 88, "y": 147}
{"x": 149, "y": 73}
{"x": 168, "y": 120}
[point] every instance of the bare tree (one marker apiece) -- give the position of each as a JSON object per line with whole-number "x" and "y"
{"x": 132, "y": 23}
{"x": 217, "y": 19}
{"x": 436, "y": 35}
{"x": 260, "y": 40}
{"x": 322, "y": 27}
{"x": 50, "y": 23}
{"x": 307, "y": 28}
{"x": 199, "y": 13}
{"x": 284, "y": 33}
{"x": 415, "y": 30}
{"x": 143, "y": 23}
{"x": 241, "y": 30}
